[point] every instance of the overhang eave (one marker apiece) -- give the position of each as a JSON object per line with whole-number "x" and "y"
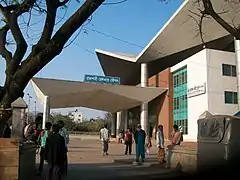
{"x": 112, "y": 98}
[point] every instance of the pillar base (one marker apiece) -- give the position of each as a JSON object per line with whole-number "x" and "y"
{"x": 113, "y": 136}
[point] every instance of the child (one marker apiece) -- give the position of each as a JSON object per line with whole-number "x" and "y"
{"x": 148, "y": 145}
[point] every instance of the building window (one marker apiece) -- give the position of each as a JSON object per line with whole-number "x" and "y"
{"x": 231, "y": 97}
{"x": 229, "y": 70}
{"x": 180, "y": 99}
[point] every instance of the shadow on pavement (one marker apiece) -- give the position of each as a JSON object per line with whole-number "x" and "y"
{"x": 115, "y": 171}
{"x": 81, "y": 147}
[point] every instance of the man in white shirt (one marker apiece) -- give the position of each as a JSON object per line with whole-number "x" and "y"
{"x": 105, "y": 138}
{"x": 63, "y": 132}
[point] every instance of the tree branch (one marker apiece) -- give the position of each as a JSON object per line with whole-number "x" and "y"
{"x": 11, "y": 14}
{"x": 12, "y": 18}
{"x": 1, "y": 92}
{"x": 7, "y": 55}
{"x": 1, "y": 9}
{"x": 20, "y": 42}
{"x": 209, "y": 10}
{"x": 62, "y": 3}
{"x": 52, "y": 6}
{"x": 34, "y": 63}
{"x": 75, "y": 21}
{"x": 25, "y": 6}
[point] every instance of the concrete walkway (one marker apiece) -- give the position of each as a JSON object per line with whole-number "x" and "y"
{"x": 87, "y": 163}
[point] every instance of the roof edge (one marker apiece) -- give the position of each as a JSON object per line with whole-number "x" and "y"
{"x": 161, "y": 30}
{"x": 115, "y": 55}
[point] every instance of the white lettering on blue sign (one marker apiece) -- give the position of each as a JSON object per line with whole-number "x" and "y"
{"x": 102, "y": 79}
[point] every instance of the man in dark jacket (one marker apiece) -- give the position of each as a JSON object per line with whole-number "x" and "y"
{"x": 55, "y": 154}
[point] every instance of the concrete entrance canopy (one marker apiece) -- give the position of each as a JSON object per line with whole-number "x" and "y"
{"x": 111, "y": 98}
{"x": 179, "y": 37}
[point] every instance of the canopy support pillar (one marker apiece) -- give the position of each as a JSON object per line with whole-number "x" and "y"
{"x": 125, "y": 120}
{"x": 237, "y": 54}
{"x": 113, "y": 128}
{"x": 46, "y": 111}
{"x": 119, "y": 122}
{"x": 144, "y": 106}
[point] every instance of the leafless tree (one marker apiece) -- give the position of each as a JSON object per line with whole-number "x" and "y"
{"x": 108, "y": 117}
{"x": 22, "y": 66}
{"x": 206, "y": 10}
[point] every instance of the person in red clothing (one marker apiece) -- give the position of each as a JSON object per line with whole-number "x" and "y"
{"x": 128, "y": 141}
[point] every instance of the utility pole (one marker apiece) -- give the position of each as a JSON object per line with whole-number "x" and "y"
{"x": 29, "y": 104}
{"x": 35, "y": 108}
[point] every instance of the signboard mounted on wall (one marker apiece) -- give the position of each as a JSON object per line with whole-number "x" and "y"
{"x": 196, "y": 90}
{"x": 101, "y": 79}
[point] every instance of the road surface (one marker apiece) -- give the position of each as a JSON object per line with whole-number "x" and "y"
{"x": 87, "y": 163}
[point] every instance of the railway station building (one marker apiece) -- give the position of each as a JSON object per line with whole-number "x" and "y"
{"x": 199, "y": 76}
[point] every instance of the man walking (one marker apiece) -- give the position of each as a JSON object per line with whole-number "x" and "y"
{"x": 105, "y": 138}
{"x": 140, "y": 136}
{"x": 55, "y": 154}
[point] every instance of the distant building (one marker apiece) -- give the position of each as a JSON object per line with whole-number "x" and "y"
{"x": 76, "y": 116}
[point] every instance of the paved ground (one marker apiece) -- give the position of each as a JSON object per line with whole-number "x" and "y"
{"x": 86, "y": 162}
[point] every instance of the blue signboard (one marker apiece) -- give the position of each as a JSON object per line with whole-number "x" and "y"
{"x": 102, "y": 79}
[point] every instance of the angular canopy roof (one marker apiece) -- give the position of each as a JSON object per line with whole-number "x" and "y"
{"x": 111, "y": 98}
{"x": 180, "y": 33}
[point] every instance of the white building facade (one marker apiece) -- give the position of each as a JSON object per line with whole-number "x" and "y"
{"x": 76, "y": 116}
{"x": 206, "y": 81}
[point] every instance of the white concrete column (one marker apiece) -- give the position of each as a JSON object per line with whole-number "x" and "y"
{"x": 113, "y": 128}
{"x": 119, "y": 122}
{"x": 237, "y": 54}
{"x": 144, "y": 106}
{"x": 46, "y": 111}
{"x": 125, "y": 120}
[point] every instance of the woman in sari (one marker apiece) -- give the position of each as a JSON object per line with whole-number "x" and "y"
{"x": 160, "y": 144}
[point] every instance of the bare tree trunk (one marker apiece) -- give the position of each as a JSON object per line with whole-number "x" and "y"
{"x": 19, "y": 71}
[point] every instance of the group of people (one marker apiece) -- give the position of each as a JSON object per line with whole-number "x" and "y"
{"x": 53, "y": 141}
{"x": 176, "y": 138}
{"x": 143, "y": 142}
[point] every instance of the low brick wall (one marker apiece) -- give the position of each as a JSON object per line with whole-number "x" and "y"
{"x": 9, "y": 158}
{"x": 183, "y": 157}
{"x": 27, "y": 161}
